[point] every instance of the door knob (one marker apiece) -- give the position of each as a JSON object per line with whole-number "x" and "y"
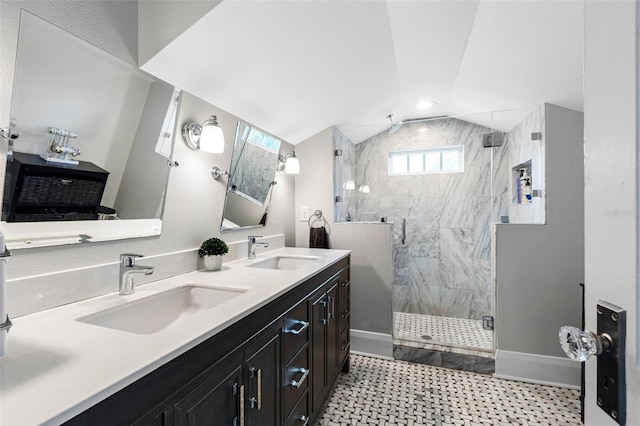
{"x": 580, "y": 345}
{"x": 609, "y": 344}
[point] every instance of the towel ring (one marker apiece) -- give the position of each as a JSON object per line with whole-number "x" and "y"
{"x": 317, "y": 215}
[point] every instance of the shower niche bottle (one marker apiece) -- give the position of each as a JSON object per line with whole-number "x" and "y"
{"x": 522, "y": 191}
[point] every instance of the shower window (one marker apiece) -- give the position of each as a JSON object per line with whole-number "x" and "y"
{"x": 449, "y": 159}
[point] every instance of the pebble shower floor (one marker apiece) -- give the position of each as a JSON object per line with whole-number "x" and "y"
{"x": 381, "y": 392}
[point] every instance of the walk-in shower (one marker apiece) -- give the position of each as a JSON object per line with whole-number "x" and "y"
{"x": 442, "y": 183}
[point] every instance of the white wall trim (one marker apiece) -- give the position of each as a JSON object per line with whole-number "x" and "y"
{"x": 379, "y": 345}
{"x": 540, "y": 369}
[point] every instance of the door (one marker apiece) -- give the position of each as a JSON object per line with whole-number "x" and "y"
{"x": 218, "y": 400}
{"x": 611, "y": 201}
{"x": 319, "y": 348}
{"x": 333, "y": 367}
{"x": 262, "y": 369}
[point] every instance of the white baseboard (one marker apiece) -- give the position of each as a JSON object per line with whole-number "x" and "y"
{"x": 368, "y": 343}
{"x": 540, "y": 369}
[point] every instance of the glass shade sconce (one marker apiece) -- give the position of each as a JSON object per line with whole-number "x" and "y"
{"x": 289, "y": 163}
{"x": 207, "y": 137}
{"x": 350, "y": 185}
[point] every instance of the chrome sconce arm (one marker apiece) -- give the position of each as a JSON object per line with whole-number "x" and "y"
{"x": 216, "y": 172}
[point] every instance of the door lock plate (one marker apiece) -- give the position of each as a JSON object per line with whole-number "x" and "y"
{"x": 611, "y": 395}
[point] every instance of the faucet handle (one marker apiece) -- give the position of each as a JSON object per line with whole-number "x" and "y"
{"x": 129, "y": 259}
{"x": 252, "y": 238}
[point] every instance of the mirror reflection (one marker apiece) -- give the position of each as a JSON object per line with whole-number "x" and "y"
{"x": 96, "y": 136}
{"x": 252, "y": 173}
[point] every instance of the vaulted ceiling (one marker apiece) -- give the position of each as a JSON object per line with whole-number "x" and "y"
{"x": 295, "y": 68}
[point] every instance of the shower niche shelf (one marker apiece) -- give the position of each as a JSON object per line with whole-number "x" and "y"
{"x": 522, "y": 192}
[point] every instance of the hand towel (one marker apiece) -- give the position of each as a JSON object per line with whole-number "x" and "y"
{"x": 318, "y": 238}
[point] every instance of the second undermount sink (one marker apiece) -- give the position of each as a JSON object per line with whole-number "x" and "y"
{"x": 284, "y": 262}
{"x": 157, "y": 312}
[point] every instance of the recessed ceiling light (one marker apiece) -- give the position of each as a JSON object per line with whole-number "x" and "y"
{"x": 425, "y": 104}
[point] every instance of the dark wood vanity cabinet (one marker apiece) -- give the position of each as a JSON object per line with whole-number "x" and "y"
{"x": 274, "y": 367}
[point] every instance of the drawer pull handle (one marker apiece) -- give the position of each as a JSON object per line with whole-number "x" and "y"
{"x": 345, "y": 315}
{"x": 242, "y": 405}
{"x": 297, "y": 331}
{"x": 298, "y": 383}
{"x": 345, "y": 284}
{"x": 304, "y": 419}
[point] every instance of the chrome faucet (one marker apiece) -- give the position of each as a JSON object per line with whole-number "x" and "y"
{"x": 128, "y": 269}
{"x": 252, "y": 246}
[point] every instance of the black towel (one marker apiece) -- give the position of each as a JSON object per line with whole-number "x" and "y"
{"x": 318, "y": 238}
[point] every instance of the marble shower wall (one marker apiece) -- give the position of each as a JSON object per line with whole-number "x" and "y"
{"x": 254, "y": 171}
{"x": 344, "y": 170}
{"x": 444, "y": 267}
{"x": 521, "y": 148}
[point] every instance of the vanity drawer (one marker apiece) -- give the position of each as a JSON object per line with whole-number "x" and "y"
{"x": 344, "y": 313}
{"x": 345, "y": 284}
{"x": 296, "y": 379}
{"x": 299, "y": 416}
{"x": 296, "y": 330}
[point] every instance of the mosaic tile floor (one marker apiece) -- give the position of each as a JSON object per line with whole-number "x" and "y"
{"x": 381, "y": 392}
{"x": 441, "y": 330}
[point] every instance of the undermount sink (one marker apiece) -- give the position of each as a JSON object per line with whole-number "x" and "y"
{"x": 284, "y": 262}
{"x": 157, "y": 312}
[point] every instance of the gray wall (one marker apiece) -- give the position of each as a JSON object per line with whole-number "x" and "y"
{"x": 131, "y": 202}
{"x": 538, "y": 267}
{"x": 371, "y": 244}
{"x": 194, "y": 200}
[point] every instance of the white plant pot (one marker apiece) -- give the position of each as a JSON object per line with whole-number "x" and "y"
{"x": 213, "y": 263}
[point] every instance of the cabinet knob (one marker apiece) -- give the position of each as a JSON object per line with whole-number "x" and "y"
{"x": 581, "y": 345}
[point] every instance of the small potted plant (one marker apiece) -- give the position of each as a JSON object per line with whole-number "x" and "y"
{"x": 212, "y": 251}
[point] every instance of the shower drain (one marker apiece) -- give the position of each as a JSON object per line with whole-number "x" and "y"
{"x": 426, "y": 337}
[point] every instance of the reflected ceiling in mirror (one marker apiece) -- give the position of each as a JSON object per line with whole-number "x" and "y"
{"x": 122, "y": 121}
{"x": 251, "y": 183}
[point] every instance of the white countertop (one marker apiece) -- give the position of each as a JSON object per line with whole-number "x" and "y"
{"x": 57, "y": 367}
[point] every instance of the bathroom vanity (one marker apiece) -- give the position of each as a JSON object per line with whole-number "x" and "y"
{"x": 268, "y": 355}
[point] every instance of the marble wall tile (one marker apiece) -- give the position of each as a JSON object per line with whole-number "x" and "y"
{"x": 344, "y": 169}
{"x": 456, "y": 302}
{"x": 456, "y": 257}
{"x": 444, "y": 268}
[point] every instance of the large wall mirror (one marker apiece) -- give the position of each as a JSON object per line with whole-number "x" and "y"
{"x": 251, "y": 181}
{"x": 92, "y": 161}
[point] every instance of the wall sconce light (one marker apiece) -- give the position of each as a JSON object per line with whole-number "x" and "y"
{"x": 289, "y": 163}
{"x": 350, "y": 185}
{"x": 364, "y": 189}
{"x": 207, "y": 137}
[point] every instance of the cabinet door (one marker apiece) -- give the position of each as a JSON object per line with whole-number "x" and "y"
{"x": 318, "y": 349}
{"x": 217, "y": 401}
{"x": 263, "y": 372}
{"x": 333, "y": 333}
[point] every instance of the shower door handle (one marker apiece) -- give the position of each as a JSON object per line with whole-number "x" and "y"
{"x": 404, "y": 229}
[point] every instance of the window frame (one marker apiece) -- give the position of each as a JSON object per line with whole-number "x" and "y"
{"x": 408, "y": 153}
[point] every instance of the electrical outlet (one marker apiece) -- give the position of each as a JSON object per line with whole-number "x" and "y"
{"x": 304, "y": 213}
